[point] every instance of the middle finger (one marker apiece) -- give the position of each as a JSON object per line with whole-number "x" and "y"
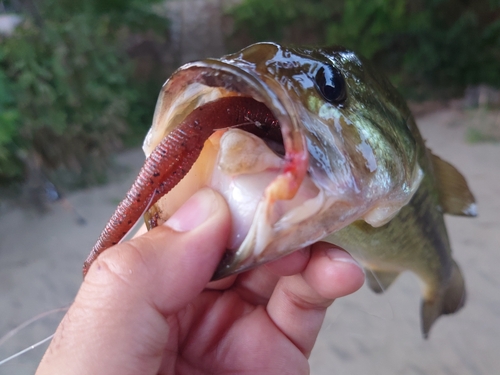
{"x": 256, "y": 286}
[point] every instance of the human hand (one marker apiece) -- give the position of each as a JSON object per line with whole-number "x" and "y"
{"x": 146, "y": 306}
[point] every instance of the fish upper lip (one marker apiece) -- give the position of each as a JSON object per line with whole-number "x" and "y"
{"x": 216, "y": 73}
{"x": 225, "y": 75}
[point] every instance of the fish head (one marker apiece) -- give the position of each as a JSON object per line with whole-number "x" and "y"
{"x": 346, "y": 152}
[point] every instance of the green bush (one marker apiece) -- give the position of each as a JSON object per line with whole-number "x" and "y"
{"x": 455, "y": 46}
{"x": 293, "y": 21}
{"x": 70, "y": 89}
{"x": 67, "y": 92}
{"x": 10, "y": 166}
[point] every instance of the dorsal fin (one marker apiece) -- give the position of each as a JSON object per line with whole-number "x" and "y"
{"x": 454, "y": 194}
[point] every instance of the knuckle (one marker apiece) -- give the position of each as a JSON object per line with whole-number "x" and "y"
{"x": 123, "y": 264}
{"x": 306, "y": 301}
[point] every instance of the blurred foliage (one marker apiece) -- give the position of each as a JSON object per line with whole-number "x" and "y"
{"x": 9, "y": 120}
{"x": 136, "y": 15}
{"x": 285, "y": 20}
{"x": 67, "y": 92}
{"x": 428, "y": 47}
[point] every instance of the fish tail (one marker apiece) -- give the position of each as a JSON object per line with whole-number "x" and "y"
{"x": 446, "y": 301}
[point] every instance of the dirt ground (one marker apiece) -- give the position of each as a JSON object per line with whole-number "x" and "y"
{"x": 41, "y": 259}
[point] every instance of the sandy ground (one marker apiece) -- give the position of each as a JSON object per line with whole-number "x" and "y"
{"x": 41, "y": 258}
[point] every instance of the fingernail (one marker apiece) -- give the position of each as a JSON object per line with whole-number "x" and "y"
{"x": 194, "y": 212}
{"x": 339, "y": 255}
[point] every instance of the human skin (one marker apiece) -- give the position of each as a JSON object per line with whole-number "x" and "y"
{"x": 146, "y": 306}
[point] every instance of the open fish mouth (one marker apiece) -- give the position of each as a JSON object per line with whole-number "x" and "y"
{"x": 258, "y": 160}
{"x": 286, "y": 173}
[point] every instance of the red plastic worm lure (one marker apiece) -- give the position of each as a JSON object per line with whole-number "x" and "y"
{"x": 172, "y": 159}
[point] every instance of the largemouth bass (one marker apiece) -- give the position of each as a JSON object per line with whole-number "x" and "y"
{"x": 305, "y": 144}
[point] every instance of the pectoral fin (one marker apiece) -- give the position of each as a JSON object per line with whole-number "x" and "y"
{"x": 445, "y": 301}
{"x": 454, "y": 194}
{"x": 379, "y": 281}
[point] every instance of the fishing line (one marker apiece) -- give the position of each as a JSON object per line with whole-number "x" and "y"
{"x": 240, "y": 125}
{"x": 16, "y": 330}
{"x": 20, "y": 327}
{"x": 128, "y": 236}
{"x": 377, "y": 279}
{"x": 383, "y": 292}
{"x": 27, "y": 349}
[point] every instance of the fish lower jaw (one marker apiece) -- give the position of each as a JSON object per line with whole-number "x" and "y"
{"x": 260, "y": 223}
{"x": 245, "y": 178}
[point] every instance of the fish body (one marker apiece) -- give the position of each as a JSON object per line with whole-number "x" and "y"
{"x": 306, "y": 144}
{"x": 414, "y": 240}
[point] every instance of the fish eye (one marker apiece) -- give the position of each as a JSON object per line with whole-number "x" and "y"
{"x": 331, "y": 84}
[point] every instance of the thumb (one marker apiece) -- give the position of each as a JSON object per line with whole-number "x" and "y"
{"x": 117, "y": 324}
{"x": 171, "y": 264}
